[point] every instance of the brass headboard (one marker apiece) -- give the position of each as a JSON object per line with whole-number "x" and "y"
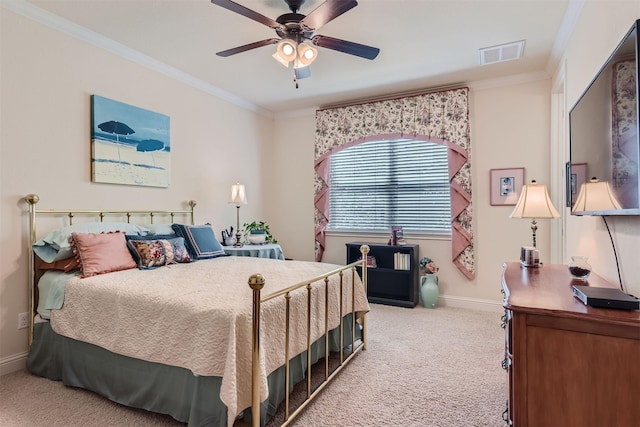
{"x": 33, "y": 199}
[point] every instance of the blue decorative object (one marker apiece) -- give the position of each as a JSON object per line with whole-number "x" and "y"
{"x": 428, "y": 282}
{"x": 429, "y": 290}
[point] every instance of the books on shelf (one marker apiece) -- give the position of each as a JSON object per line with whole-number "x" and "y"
{"x": 371, "y": 261}
{"x": 397, "y": 236}
{"x": 401, "y": 261}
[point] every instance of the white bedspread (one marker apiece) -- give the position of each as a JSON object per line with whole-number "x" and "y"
{"x": 198, "y": 316}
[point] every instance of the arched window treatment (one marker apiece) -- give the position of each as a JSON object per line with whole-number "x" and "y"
{"x": 438, "y": 116}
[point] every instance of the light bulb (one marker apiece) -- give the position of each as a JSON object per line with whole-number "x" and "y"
{"x": 287, "y": 49}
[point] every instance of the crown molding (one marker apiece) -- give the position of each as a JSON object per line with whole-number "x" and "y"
{"x": 567, "y": 26}
{"x": 72, "y": 29}
{"x": 509, "y": 80}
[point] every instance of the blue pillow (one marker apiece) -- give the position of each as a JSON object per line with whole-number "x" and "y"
{"x": 200, "y": 240}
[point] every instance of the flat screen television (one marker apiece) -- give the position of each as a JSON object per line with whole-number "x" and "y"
{"x": 603, "y": 130}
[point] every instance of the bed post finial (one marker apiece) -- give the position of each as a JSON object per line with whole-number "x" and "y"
{"x": 192, "y": 204}
{"x": 32, "y": 199}
{"x": 256, "y": 282}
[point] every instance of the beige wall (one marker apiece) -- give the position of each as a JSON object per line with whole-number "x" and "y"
{"x": 47, "y": 78}
{"x": 509, "y": 128}
{"x": 46, "y": 82}
{"x": 602, "y": 25}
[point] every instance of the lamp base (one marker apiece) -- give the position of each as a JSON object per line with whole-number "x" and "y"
{"x": 529, "y": 257}
{"x": 522, "y": 264}
{"x": 238, "y": 243}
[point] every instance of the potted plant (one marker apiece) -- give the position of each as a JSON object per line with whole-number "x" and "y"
{"x": 258, "y": 228}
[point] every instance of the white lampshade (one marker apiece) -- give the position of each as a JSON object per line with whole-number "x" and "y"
{"x": 306, "y": 55}
{"x": 238, "y": 195}
{"x": 595, "y": 196}
{"x": 534, "y": 202}
{"x": 285, "y": 52}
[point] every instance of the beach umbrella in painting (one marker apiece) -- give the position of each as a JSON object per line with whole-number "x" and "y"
{"x": 117, "y": 128}
{"x": 150, "y": 145}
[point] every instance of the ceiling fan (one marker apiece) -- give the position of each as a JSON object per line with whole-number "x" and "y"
{"x": 294, "y": 29}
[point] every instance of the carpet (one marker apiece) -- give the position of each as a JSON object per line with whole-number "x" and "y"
{"x": 422, "y": 367}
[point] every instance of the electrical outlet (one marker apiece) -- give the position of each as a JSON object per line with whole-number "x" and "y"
{"x": 23, "y": 320}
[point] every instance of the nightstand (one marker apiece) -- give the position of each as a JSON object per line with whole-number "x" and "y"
{"x": 268, "y": 250}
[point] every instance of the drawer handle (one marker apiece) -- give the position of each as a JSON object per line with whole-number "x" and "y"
{"x": 504, "y": 321}
{"x": 506, "y": 362}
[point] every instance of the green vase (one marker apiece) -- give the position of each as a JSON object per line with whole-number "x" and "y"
{"x": 429, "y": 290}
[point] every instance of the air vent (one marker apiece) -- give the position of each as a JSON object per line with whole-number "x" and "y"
{"x": 501, "y": 53}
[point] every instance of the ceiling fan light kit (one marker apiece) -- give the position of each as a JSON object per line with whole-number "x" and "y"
{"x": 293, "y": 29}
{"x": 298, "y": 56}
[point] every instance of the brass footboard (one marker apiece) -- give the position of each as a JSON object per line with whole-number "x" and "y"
{"x": 256, "y": 282}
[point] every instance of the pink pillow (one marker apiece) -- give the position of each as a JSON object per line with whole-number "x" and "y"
{"x": 100, "y": 253}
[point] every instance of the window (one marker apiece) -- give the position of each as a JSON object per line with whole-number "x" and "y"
{"x": 378, "y": 184}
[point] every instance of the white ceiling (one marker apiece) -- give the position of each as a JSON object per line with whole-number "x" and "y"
{"x": 423, "y": 43}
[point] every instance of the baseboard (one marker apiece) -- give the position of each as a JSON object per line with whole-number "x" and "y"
{"x": 13, "y": 363}
{"x": 471, "y": 303}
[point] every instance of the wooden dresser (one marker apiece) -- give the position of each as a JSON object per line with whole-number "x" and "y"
{"x": 568, "y": 364}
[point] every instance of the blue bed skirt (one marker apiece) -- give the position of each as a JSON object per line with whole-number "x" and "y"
{"x": 153, "y": 386}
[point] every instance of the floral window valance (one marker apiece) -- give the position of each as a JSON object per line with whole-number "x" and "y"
{"x": 441, "y": 117}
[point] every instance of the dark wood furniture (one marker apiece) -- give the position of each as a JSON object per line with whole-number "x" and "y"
{"x": 387, "y": 284}
{"x": 569, "y": 364}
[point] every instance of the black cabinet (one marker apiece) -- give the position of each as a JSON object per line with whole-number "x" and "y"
{"x": 395, "y": 279}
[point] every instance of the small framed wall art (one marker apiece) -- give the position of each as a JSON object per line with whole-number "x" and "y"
{"x": 506, "y": 185}
{"x": 577, "y": 177}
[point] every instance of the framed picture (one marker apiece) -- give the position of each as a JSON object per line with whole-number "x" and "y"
{"x": 577, "y": 177}
{"x": 506, "y": 185}
{"x": 129, "y": 145}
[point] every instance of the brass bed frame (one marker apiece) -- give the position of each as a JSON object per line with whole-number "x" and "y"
{"x": 256, "y": 282}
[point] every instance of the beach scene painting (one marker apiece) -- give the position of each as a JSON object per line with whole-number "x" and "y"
{"x": 129, "y": 145}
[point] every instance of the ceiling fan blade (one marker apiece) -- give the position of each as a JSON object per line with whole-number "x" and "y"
{"x": 344, "y": 46}
{"x": 246, "y": 47}
{"x": 237, "y": 8}
{"x": 326, "y": 12}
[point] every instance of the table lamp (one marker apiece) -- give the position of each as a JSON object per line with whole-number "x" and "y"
{"x": 238, "y": 198}
{"x": 596, "y": 196}
{"x": 534, "y": 202}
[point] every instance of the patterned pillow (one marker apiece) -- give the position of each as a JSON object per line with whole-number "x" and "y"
{"x": 100, "y": 253}
{"x": 200, "y": 240}
{"x": 153, "y": 253}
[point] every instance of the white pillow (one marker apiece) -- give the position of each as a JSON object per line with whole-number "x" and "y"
{"x": 55, "y": 245}
{"x": 160, "y": 229}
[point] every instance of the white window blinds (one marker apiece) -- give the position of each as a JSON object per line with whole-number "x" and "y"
{"x": 378, "y": 184}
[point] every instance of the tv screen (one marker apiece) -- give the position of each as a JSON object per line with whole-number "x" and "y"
{"x": 603, "y": 130}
